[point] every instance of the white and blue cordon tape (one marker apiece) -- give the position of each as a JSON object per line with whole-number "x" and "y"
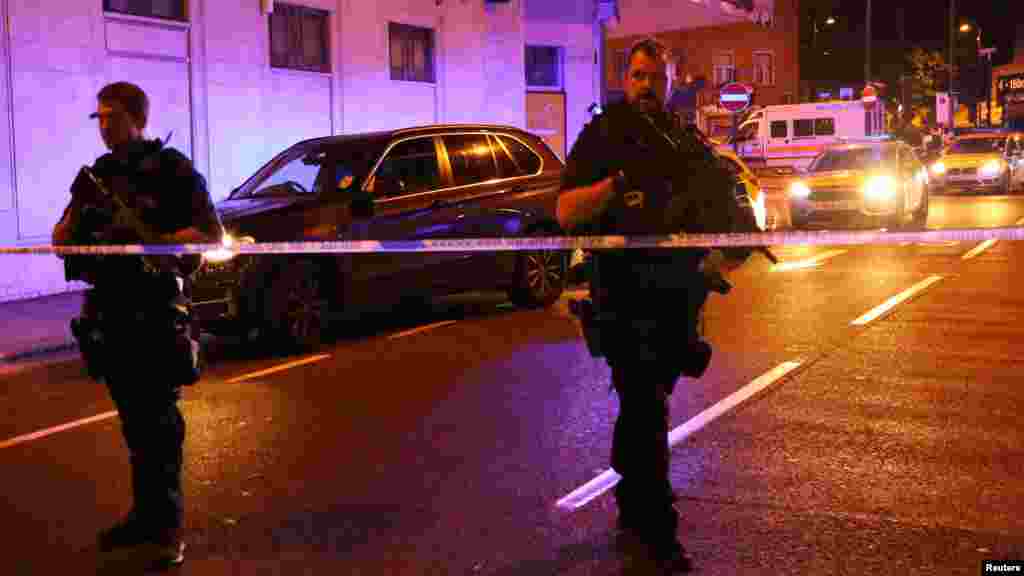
{"x": 777, "y": 238}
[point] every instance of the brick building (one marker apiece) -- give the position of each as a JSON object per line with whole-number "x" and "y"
{"x": 1008, "y": 88}
{"x": 759, "y": 47}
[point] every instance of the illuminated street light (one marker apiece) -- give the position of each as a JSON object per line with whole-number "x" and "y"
{"x": 965, "y": 27}
{"x": 830, "y": 20}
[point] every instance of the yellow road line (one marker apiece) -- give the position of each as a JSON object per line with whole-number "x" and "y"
{"x": 279, "y": 368}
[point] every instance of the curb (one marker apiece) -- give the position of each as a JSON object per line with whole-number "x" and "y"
{"x": 40, "y": 349}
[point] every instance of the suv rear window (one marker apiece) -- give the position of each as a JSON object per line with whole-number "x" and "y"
{"x": 526, "y": 159}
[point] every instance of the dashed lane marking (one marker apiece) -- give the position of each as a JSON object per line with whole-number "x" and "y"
{"x": 278, "y": 368}
{"x": 811, "y": 262}
{"x": 421, "y": 329}
{"x": 896, "y": 300}
{"x": 607, "y": 479}
{"x": 979, "y": 248}
{"x": 55, "y": 429}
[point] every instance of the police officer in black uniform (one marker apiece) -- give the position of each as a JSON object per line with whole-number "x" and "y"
{"x": 136, "y": 313}
{"x": 636, "y": 170}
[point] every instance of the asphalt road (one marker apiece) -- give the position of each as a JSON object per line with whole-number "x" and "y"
{"x": 440, "y": 443}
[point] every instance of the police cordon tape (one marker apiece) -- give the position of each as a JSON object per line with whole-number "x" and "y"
{"x": 779, "y": 238}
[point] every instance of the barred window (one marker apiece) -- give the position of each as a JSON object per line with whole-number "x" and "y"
{"x": 412, "y": 53}
{"x": 298, "y": 38}
{"x": 167, "y": 9}
{"x": 620, "y": 62}
{"x": 725, "y": 68}
{"x": 544, "y": 66}
{"x": 764, "y": 68}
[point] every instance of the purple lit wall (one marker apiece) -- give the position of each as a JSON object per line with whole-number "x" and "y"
{"x": 210, "y": 81}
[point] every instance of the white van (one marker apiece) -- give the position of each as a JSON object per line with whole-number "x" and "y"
{"x": 793, "y": 134}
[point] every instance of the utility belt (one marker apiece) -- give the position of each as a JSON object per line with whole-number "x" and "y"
{"x": 629, "y": 325}
{"x": 107, "y": 334}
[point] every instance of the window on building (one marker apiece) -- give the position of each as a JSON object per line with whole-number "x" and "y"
{"x": 544, "y": 66}
{"x": 764, "y": 68}
{"x": 410, "y": 167}
{"x": 725, "y": 68}
{"x": 803, "y": 127}
{"x": 471, "y": 158}
{"x": 620, "y": 61}
{"x": 412, "y": 53}
{"x": 169, "y": 9}
{"x": 824, "y": 126}
{"x": 298, "y": 38}
{"x": 780, "y": 129}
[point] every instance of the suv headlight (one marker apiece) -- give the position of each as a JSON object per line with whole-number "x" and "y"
{"x": 799, "y": 190}
{"x": 222, "y": 255}
{"x": 992, "y": 168}
{"x": 880, "y": 188}
{"x": 938, "y": 168}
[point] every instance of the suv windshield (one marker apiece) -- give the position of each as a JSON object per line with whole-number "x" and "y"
{"x": 977, "y": 145}
{"x": 294, "y": 172}
{"x": 851, "y": 159}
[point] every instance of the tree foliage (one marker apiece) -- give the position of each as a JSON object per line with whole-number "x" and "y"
{"x": 928, "y": 72}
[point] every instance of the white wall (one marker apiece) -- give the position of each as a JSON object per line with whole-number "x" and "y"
{"x": 654, "y": 16}
{"x": 568, "y": 24}
{"x": 213, "y": 85}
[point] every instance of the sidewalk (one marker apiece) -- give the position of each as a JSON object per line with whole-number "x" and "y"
{"x": 37, "y": 326}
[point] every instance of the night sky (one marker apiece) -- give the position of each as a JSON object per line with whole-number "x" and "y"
{"x": 923, "y": 23}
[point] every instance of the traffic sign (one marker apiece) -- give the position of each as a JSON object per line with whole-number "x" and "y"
{"x": 869, "y": 95}
{"x": 735, "y": 97}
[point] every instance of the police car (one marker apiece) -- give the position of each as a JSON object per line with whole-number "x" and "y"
{"x": 873, "y": 181}
{"x": 982, "y": 162}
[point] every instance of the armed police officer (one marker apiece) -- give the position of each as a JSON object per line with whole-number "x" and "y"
{"x": 134, "y": 330}
{"x": 636, "y": 170}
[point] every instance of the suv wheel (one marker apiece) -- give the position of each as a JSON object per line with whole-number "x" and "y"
{"x": 295, "y": 313}
{"x": 540, "y": 278}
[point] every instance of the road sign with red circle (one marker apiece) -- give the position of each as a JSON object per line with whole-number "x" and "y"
{"x": 735, "y": 97}
{"x": 870, "y": 95}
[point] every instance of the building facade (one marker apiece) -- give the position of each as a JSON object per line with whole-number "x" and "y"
{"x": 715, "y": 42}
{"x": 1008, "y": 89}
{"x": 233, "y": 82}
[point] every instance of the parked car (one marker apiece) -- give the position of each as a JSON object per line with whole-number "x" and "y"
{"x": 982, "y": 162}
{"x": 428, "y": 182}
{"x": 877, "y": 182}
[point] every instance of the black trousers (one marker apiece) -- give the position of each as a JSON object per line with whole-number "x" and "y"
{"x": 151, "y": 422}
{"x": 640, "y": 451}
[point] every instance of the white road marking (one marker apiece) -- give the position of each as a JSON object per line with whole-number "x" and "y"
{"x": 55, "y": 429}
{"x": 811, "y": 262}
{"x": 607, "y": 479}
{"x": 421, "y": 329}
{"x": 278, "y": 368}
{"x": 891, "y": 303}
{"x": 108, "y": 415}
{"x": 979, "y": 249}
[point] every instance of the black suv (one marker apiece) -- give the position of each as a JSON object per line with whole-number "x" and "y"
{"x": 412, "y": 184}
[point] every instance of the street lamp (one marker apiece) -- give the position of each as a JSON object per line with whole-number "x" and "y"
{"x": 987, "y": 53}
{"x": 829, "y": 21}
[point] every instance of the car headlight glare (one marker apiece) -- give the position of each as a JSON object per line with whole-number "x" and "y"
{"x": 221, "y": 255}
{"x": 938, "y": 168}
{"x": 880, "y": 188}
{"x": 799, "y": 190}
{"x": 992, "y": 168}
